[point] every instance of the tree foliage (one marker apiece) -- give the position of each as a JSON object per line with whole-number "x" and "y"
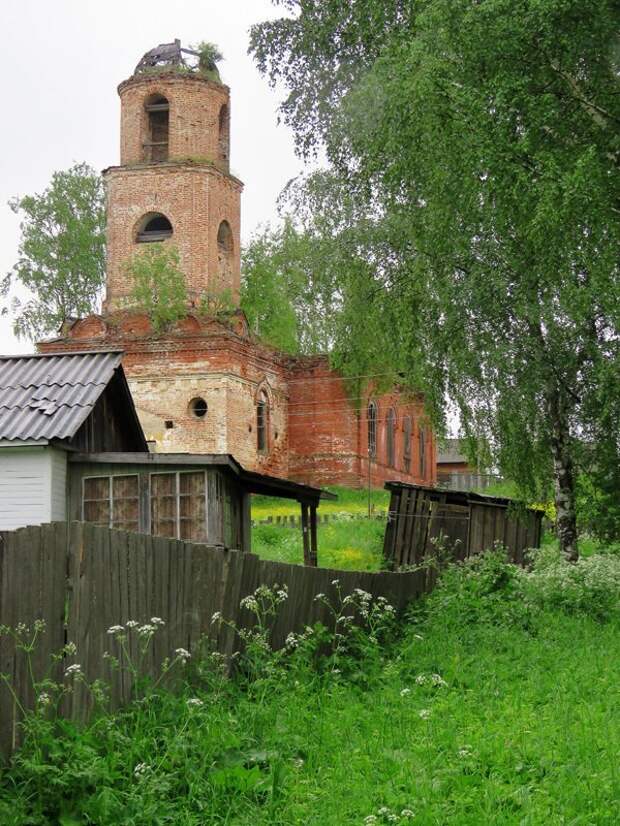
{"x": 158, "y": 284}
{"x": 479, "y": 142}
{"x": 289, "y": 289}
{"x": 61, "y": 253}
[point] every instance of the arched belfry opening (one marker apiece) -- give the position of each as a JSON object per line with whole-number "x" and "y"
{"x": 225, "y": 253}
{"x": 157, "y": 138}
{"x": 153, "y": 227}
{"x": 224, "y": 134}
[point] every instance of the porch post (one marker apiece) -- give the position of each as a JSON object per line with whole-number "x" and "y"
{"x": 305, "y": 534}
{"x": 313, "y": 539}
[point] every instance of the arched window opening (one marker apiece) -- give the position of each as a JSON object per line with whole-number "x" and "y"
{"x": 407, "y": 444}
{"x": 158, "y": 114}
{"x": 225, "y": 249}
{"x": 372, "y": 430}
{"x": 262, "y": 422}
{"x": 390, "y": 422}
{"x": 422, "y": 438}
{"x": 154, "y": 227}
{"x": 224, "y": 134}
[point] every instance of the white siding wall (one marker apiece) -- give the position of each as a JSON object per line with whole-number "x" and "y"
{"x": 59, "y": 485}
{"x": 25, "y": 486}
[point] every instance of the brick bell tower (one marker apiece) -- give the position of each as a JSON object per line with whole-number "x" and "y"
{"x": 173, "y": 184}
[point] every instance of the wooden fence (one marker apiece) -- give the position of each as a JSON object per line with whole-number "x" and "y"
{"x": 467, "y": 524}
{"x": 82, "y": 579}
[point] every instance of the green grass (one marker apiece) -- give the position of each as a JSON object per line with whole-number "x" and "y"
{"x": 345, "y": 543}
{"x": 355, "y": 544}
{"x": 524, "y": 733}
{"x": 350, "y": 501}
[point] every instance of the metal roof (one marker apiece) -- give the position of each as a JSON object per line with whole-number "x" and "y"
{"x": 451, "y": 453}
{"x": 49, "y": 396}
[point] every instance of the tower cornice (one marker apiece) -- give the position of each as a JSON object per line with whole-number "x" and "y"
{"x": 185, "y": 164}
{"x": 174, "y": 76}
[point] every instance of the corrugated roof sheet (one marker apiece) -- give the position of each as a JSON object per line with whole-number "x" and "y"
{"x": 50, "y": 396}
{"x": 451, "y": 453}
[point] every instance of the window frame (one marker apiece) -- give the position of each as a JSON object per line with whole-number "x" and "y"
{"x": 262, "y": 427}
{"x": 371, "y": 422}
{"x": 390, "y": 437}
{"x": 407, "y": 434}
{"x": 110, "y": 477}
{"x": 177, "y": 497}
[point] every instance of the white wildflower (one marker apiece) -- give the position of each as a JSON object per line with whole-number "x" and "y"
{"x": 217, "y": 617}
{"x": 183, "y": 654}
{"x": 421, "y": 679}
{"x": 194, "y": 702}
{"x": 370, "y": 819}
{"x": 44, "y": 699}
{"x": 438, "y": 680}
{"x": 132, "y": 624}
{"x": 147, "y": 630}
{"x": 318, "y": 597}
{"x": 157, "y": 621}
{"x": 298, "y": 762}
{"x": 335, "y": 582}
{"x": 407, "y": 813}
{"x": 405, "y": 691}
{"x": 73, "y": 670}
{"x": 70, "y": 649}
{"x": 115, "y": 629}
{"x": 291, "y": 640}
{"x": 425, "y": 713}
{"x": 141, "y": 769}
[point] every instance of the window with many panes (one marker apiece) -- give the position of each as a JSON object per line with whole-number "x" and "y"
{"x": 112, "y": 501}
{"x": 178, "y": 505}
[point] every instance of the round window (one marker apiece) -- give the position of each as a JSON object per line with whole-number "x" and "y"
{"x": 198, "y": 407}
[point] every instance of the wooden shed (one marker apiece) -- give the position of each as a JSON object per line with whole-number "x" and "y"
{"x": 196, "y": 497}
{"x": 468, "y": 522}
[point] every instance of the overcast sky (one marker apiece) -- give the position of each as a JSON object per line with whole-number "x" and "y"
{"x": 62, "y": 60}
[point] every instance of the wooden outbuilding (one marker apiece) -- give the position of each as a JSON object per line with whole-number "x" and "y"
{"x": 464, "y": 522}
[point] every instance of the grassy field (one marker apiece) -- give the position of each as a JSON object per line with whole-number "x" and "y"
{"x": 349, "y": 543}
{"x": 350, "y": 501}
{"x": 355, "y": 544}
{"x": 497, "y": 703}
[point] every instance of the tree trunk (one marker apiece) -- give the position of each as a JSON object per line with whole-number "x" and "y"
{"x": 564, "y": 478}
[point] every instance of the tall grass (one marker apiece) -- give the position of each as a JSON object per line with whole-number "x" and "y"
{"x": 494, "y": 703}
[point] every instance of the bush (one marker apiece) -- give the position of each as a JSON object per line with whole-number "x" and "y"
{"x": 485, "y": 588}
{"x": 590, "y": 586}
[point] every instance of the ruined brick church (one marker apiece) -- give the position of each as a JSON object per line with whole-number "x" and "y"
{"x": 207, "y": 385}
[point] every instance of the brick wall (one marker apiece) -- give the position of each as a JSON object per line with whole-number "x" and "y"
{"x": 195, "y": 199}
{"x": 316, "y": 434}
{"x": 328, "y": 431}
{"x": 194, "y": 116}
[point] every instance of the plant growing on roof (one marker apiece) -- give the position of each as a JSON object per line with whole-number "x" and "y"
{"x": 208, "y": 57}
